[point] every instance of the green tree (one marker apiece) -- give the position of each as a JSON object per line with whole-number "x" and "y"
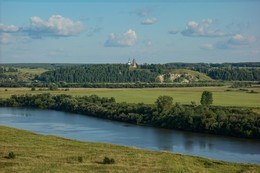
{"x": 206, "y": 98}
{"x": 163, "y": 103}
{"x": 53, "y": 87}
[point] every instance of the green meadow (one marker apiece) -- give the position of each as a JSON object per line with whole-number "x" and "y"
{"x": 222, "y": 96}
{"x": 38, "y": 153}
{"x": 27, "y": 73}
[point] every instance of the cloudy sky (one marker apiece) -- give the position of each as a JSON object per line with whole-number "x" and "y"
{"x": 104, "y": 31}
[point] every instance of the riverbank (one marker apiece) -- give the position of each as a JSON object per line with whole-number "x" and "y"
{"x": 238, "y": 122}
{"x": 39, "y": 153}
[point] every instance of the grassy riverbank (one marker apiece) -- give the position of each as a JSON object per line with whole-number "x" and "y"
{"x": 223, "y": 96}
{"x": 39, "y": 153}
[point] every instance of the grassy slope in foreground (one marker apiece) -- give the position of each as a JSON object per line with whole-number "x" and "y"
{"x": 39, "y": 153}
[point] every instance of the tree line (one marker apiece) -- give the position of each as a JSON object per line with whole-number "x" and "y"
{"x": 163, "y": 113}
{"x": 238, "y": 74}
{"x": 7, "y": 69}
{"x": 106, "y": 85}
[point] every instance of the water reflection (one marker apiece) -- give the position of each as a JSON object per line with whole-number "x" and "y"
{"x": 188, "y": 145}
{"x": 99, "y": 130}
{"x": 164, "y": 139}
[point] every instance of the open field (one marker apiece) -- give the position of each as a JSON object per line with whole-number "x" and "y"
{"x": 24, "y": 72}
{"x": 33, "y": 71}
{"x": 234, "y": 97}
{"x": 27, "y": 73}
{"x": 39, "y": 153}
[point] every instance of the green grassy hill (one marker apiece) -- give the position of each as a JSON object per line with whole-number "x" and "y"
{"x": 201, "y": 76}
{"x": 25, "y": 73}
{"x": 39, "y": 153}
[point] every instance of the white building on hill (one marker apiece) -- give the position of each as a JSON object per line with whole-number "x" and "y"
{"x": 133, "y": 63}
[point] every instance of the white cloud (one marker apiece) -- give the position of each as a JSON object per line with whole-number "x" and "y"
{"x": 239, "y": 39}
{"x": 55, "y": 26}
{"x": 125, "y": 39}
{"x": 235, "y": 42}
{"x": 8, "y": 28}
{"x": 5, "y": 33}
{"x": 149, "y": 21}
{"x": 201, "y": 29}
{"x": 6, "y": 38}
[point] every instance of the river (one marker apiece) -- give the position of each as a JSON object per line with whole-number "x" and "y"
{"x": 85, "y": 128}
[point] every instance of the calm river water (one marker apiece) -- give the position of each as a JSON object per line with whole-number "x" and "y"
{"x": 86, "y": 128}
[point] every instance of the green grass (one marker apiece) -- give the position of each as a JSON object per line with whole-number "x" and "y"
{"x": 34, "y": 71}
{"x": 202, "y": 76}
{"x": 27, "y": 73}
{"x": 221, "y": 97}
{"x": 39, "y": 153}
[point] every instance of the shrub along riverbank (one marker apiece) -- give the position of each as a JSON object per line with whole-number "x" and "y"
{"x": 164, "y": 113}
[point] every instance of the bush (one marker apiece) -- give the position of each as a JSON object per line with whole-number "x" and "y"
{"x": 33, "y": 89}
{"x": 80, "y": 159}
{"x": 206, "y": 98}
{"x": 11, "y": 155}
{"x": 252, "y": 91}
{"x": 53, "y": 87}
{"x": 108, "y": 160}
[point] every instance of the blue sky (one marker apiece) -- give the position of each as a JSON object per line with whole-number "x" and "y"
{"x": 154, "y": 31}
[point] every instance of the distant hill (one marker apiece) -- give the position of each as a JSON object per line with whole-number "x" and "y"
{"x": 183, "y": 76}
{"x": 120, "y": 73}
{"x": 18, "y": 74}
{"x": 123, "y": 73}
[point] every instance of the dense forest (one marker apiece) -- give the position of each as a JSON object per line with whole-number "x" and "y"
{"x": 231, "y": 73}
{"x": 111, "y": 73}
{"x": 164, "y": 113}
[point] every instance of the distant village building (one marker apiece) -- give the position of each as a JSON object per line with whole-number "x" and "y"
{"x": 132, "y": 64}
